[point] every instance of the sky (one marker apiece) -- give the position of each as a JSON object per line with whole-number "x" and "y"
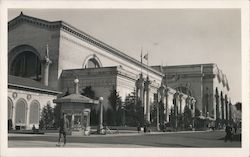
{"x": 170, "y": 36}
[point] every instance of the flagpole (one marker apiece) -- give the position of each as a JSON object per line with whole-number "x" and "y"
{"x": 147, "y": 66}
{"x": 141, "y": 60}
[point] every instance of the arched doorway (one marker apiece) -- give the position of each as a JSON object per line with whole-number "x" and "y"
{"x": 10, "y": 108}
{"x": 10, "y": 114}
{"x": 21, "y": 113}
{"x": 26, "y": 64}
{"x": 34, "y": 112}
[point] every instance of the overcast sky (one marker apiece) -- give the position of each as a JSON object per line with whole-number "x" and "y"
{"x": 171, "y": 36}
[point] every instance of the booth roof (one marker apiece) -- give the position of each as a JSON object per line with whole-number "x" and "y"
{"x": 76, "y": 98}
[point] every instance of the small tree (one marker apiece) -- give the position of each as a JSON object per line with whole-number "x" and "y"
{"x": 57, "y": 115}
{"x": 187, "y": 117}
{"x": 161, "y": 113}
{"x": 90, "y": 93}
{"x": 238, "y": 106}
{"x": 47, "y": 118}
{"x": 115, "y": 103}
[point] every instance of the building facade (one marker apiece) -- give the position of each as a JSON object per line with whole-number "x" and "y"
{"x": 207, "y": 84}
{"x": 53, "y": 54}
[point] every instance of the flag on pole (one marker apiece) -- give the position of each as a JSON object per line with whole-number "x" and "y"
{"x": 146, "y": 56}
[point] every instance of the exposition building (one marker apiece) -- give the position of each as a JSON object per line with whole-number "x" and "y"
{"x": 207, "y": 84}
{"x": 44, "y": 59}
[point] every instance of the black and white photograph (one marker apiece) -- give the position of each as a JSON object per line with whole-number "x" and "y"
{"x": 126, "y": 77}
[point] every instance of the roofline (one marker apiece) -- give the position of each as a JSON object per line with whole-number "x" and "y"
{"x": 90, "y": 39}
{"x": 189, "y": 65}
{"x": 34, "y": 88}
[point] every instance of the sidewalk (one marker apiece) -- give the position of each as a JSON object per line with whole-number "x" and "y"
{"x": 121, "y": 133}
{"x": 25, "y": 144}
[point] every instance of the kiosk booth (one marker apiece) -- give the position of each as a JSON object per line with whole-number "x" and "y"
{"x": 77, "y": 108}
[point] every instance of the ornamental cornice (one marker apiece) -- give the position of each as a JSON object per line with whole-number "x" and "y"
{"x": 34, "y": 21}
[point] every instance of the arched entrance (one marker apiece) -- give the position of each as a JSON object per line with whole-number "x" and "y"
{"x": 21, "y": 114}
{"x": 10, "y": 114}
{"x": 34, "y": 112}
{"x": 10, "y": 108}
{"x": 24, "y": 61}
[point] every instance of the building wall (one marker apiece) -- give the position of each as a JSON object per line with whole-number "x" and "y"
{"x": 15, "y": 95}
{"x": 74, "y": 51}
{"x": 38, "y": 38}
{"x": 202, "y": 81}
{"x": 188, "y": 77}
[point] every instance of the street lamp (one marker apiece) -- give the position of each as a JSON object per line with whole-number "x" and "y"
{"x": 76, "y": 81}
{"x": 101, "y": 115}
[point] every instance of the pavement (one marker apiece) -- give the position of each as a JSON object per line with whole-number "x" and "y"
{"x": 204, "y": 139}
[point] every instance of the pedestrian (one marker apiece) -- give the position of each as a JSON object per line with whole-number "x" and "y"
{"x": 235, "y": 129}
{"x": 138, "y": 127}
{"x": 228, "y": 131}
{"x": 145, "y": 128}
{"x": 63, "y": 129}
{"x": 33, "y": 128}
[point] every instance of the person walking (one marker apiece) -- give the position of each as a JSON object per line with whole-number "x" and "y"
{"x": 63, "y": 129}
{"x": 228, "y": 131}
{"x": 138, "y": 127}
{"x": 235, "y": 128}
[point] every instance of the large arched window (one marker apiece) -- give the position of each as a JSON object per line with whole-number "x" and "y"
{"x": 34, "y": 112}
{"x": 26, "y": 64}
{"x": 92, "y": 61}
{"x": 21, "y": 112}
{"x": 10, "y": 108}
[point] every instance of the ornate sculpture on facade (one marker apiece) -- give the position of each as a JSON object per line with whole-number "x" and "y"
{"x": 47, "y": 62}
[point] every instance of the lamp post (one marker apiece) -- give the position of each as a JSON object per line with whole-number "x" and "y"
{"x": 76, "y": 81}
{"x": 101, "y": 115}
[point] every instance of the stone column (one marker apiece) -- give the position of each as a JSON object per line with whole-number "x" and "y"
{"x": 226, "y": 108}
{"x": 176, "y": 97}
{"x": 217, "y": 105}
{"x": 180, "y": 97}
{"x": 72, "y": 120}
{"x": 161, "y": 92}
{"x": 27, "y": 116}
{"x": 193, "y": 101}
{"x": 188, "y": 103}
{"x": 47, "y": 62}
{"x": 157, "y": 113}
{"x": 141, "y": 89}
{"x": 147, "y": 89}
{"x": 167, "y": 111}
{"x": 101, "y": 116}
{"x": 222, "y": 106}
{"x": 14, "y": 116}
{"x": 230, "y": 110}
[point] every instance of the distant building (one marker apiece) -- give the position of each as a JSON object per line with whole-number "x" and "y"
{"x": 206, "y": 83}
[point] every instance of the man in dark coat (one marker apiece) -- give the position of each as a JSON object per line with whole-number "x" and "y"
{"x": 63, "y": 129}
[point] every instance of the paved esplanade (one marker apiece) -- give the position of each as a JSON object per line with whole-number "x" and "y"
{"x": 180, "y": 139}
